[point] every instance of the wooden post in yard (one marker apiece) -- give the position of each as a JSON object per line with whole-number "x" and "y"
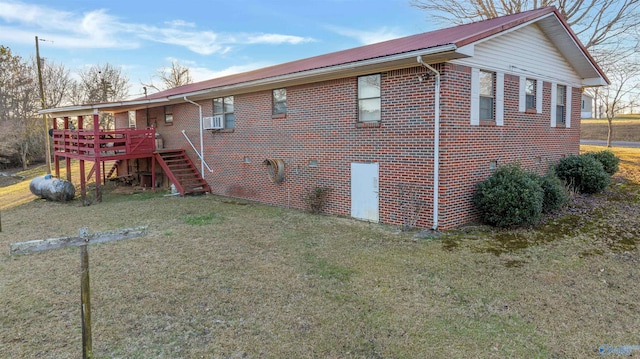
{"x": 85, "y": 297}
{"x": 82, "y": 240}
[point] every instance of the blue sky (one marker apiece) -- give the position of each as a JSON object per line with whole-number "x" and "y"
{"x": 213, "y": 38}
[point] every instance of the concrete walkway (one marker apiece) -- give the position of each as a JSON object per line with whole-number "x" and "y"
{"x": 613, "y": 143}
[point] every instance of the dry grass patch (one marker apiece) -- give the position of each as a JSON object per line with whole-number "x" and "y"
{"x": 216, "y": 279}
{"x": 624, "y": 129}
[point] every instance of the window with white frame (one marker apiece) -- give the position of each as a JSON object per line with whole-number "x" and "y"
{"x": 168, "y": 115}
{"x": 224, "y": 106}
{"x": 561, "y": 97}
{"x": 132, "y": 119}
{"x": 530, "y": 94}
{"x": 280, "y": 101}
{"x": 487, "y": 95}
{"x": 369, "y": 98}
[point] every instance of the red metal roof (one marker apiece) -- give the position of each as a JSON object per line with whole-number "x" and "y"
{"x": 459, "y": 35}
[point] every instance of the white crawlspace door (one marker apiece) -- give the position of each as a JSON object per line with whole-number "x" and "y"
{"x": 364, "y": 191}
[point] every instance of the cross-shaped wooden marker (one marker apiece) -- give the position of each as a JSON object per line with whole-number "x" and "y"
{"x": 81, "y": 240}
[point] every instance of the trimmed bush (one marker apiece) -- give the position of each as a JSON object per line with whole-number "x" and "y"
{"x": 583, "y": 173}
{"x": 608, "y": 159}
{"x": 554, "y": 193}
{"x": 509, "y": 197}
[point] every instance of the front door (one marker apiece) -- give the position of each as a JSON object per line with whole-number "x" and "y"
{"x": 364, "y": 191}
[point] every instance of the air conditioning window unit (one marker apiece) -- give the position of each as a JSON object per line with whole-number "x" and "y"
{"x": 213, "y": 122}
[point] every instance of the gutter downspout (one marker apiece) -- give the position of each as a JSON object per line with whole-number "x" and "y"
{"x": 436, "y": 143}
{"x": 201, "y": 137}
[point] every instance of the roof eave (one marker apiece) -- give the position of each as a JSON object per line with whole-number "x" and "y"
{"x": 83, "y": 110}
{"x": 386, "y": 63}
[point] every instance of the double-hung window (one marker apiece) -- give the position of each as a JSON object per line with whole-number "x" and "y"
{"x": 132, "y": 119}
{"x": 280, "y": 101}
{"x": 530, "y": 93}
{"x": 561, "y": 104}
{"x": 224, "y": 106}
{"x": 168, "y": 115}
{"x": 487, "y": 95}
{"x": 369, "y": 98}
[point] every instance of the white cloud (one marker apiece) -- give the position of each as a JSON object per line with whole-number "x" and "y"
{"x": 99, "y": 29}
{"x": 275, "y": 39}
{"x": 180, "y": 23}
{"x": 94, "y": 29}
{"x": 368, "y": 37}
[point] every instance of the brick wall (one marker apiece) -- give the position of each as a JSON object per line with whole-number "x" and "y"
{"x": 467, "y": 151}
{"x": 320, "y": 125}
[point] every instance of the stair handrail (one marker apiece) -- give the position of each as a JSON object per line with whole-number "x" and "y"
{"x": 197, "y": 153}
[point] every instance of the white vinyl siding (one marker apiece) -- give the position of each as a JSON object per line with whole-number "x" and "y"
{"x": 505, "y": 53}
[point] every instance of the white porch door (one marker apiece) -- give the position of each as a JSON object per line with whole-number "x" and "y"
{"x": 364, "y": 191}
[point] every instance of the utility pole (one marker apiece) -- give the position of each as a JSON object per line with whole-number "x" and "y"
{"x": 44, "y": 106}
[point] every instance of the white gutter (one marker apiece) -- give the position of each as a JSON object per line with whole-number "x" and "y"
{"x": 201, "y": 154}
{"x": 436, "y": 144}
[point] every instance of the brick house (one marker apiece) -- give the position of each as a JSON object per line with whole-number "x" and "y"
{"x": 400, "y": 131}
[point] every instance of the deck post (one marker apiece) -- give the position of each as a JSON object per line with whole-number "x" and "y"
{"x": 67, "y": 160}
{"x": 153, "y": 173}
{"x": 83, "y": 181}
{"x": 56, "y": 158}
{"x": 97, "y": 154}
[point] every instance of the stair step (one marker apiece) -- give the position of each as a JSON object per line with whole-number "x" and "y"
{"x": 182, "y": 172}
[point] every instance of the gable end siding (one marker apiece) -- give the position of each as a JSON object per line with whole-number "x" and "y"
{"x": 527, "y": 52}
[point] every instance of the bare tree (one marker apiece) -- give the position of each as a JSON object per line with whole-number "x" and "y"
{"x": 170, "y": 77}
{"x": 104, "y": 83}
{"x": 99, "y": 84}
{"x": 595, "y": 22}
{"x": 57, "y": 82}
{"x": 615, "y": 98}
{"x": 19, "y": 103}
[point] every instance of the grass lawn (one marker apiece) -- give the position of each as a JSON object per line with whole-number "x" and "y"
{"x": 226, "y": 279}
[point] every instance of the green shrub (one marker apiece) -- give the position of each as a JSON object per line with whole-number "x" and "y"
{"x": 554, "y": 192}
{"x": 509, "y": 197}
{"x": 608, "y": 159}
{"x": 316, "y": 199}
{"x": 583, "y": 173}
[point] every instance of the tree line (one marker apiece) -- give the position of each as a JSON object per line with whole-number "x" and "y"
{"x": 22, "y": 130}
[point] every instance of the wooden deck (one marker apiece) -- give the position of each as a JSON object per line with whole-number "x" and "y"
{"x": 113, "y": 145}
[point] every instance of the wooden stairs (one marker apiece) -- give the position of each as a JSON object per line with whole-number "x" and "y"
{"x": 181, "y": 171}
{"x": 113, "y": 168}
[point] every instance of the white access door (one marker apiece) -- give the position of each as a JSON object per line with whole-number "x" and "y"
{"x": 364, "y": 191}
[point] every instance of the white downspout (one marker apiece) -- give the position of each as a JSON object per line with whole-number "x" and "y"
{"x": 201, "y": 137}
{"x": 436, "y": 144}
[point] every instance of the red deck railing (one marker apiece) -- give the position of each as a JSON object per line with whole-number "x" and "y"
{"x": 113, "y": 144}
